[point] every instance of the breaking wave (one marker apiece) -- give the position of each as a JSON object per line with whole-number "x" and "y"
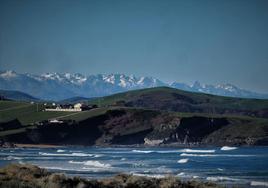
{"x": 9, "y": 158}
{"x": 197, "y": 151}
{"x": 61, "y": 150}
{"x": 183, "y": 161}
{"x": 259, "y": 183}
{"x": 175, "y": 151}
{"x": 227, "y": 148}
{"x": 221, "y": 178}
{"x": 142, "y": 151}
{"x": 66, "y": 154}
{"x": 63, "y": 169}
{"x": 92, "y": 164}
{"x": 157, "y": 176}
{"x": 213, "y": 155}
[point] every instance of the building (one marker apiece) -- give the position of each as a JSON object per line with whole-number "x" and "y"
{"x": 65, "y": 108}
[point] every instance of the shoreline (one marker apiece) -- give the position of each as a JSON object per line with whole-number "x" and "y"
{"x": 16, "y": 145}
{"x": 37, "y": 146}
{"x": 27, "y": 175}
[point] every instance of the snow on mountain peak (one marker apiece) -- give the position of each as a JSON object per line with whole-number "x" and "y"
{"x": 101, "y": 84}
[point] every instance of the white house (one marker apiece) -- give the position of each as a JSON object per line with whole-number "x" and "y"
{"x": 78, "y": 106}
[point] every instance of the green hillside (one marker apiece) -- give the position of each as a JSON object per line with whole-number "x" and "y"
{"x": 164, "y": 98}
{"x": 17, "y": 95}
{"x": 26, "y": 113}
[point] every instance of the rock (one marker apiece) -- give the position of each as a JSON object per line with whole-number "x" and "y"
{"x": 29, "y": 176}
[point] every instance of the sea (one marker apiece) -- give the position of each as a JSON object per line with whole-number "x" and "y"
{"x": 231, "y": 166}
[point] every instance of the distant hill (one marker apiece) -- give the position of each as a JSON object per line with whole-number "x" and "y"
{"x": 16, "y": 95}
{"x": 149, "y": 116}
{"x": 170, "y": 99}
{"x": 59, "y": 86}
{"x": 76, "y": 100}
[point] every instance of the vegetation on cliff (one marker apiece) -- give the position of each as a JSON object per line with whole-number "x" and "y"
{"x": 29, "y": 176}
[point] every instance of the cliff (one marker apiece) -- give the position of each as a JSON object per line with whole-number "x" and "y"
{"x": 128, "y": 126}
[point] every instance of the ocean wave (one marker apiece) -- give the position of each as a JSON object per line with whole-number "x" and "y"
{"x": 181, "y": 174}
{"x": 9, "y": 158}
{"x": 227, "y": 148}
{"x": 63, "y": 169}
{"x": 92, "y": 163}
{"x": 259, "y": 183}
{"x": 96, "y": 169}
{"x": 142, "y": 151}
{"x": 197, "y": 151}
{"x": 98, "y": 155}
{"x": 213, "y": 155}
{"x": 61, "y": 150}
{"x": 158, "y": 176}
{"x": 221, "y": 178}
{"x": 175, "y": 151}
{"x": 66, "y": 154}
{"x": 183, "y": 160}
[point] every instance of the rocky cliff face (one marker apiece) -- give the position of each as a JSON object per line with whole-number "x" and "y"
{"x": 145, "y": 127}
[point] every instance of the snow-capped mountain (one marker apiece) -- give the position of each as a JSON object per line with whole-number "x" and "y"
{"x": 220, "y": 89}
{"x": 58, "y": 86}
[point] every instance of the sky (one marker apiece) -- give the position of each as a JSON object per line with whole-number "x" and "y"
{"x": 212, "y": 41}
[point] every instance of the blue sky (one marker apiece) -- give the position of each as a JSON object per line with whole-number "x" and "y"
{"x": 210, "y": 41}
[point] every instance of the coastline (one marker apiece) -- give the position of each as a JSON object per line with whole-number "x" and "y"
{"x": 37, "y": 146}
{"x": 27, "y": 175}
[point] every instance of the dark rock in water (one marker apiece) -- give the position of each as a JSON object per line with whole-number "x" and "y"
{"x": 29, "y": 176}
{"x": 4, "y": 144}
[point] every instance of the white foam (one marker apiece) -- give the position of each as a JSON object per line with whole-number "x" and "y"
{"x": 197, "y": 151}
{"x": 195, "y": 177}
{"x": 212, "y": 155}
{"x": 259, "y": 183}
{"x": 219, "y": 169}
{"x": 92, "y": 163}
{"x": 97, "y": 164}
{"x": 98, "y": 155}
{"x": 142, "y": 151}
{"x": 60, "y": 150}
{"x": 221, "y": 178}
{"x": 76, "y": 162}
{"x": 9, "y": 158}
{"x": 181, "y": 174}
{"x": 158, "y": 176}
{"x": 63, "y": 169}
{"x": 227, "y": 148}
{"x": 183, "y": 160}
{"x": 175, "y": 151}
{"x": 66, "y": 154}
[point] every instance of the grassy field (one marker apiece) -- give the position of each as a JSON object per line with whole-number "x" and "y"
{"x": 28, "y": 113}
{"x": 5, "y": 105}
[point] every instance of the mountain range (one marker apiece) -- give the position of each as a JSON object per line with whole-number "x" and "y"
{"x": 59, "y": 86}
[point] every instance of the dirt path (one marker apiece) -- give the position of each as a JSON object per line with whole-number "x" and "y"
{"x": 59, "y": 117}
